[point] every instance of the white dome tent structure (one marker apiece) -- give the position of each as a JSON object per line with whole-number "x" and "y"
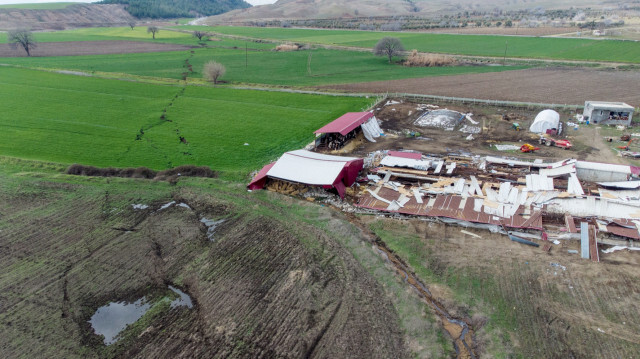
{"x": 545, "y": 120}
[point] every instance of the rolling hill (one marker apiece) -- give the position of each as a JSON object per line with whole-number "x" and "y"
{"x": 163, "y": 9}
{"x": 323, "y": 9}
{"x": 76, "y": 15}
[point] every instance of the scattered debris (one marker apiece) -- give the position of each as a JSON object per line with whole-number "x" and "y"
{"x": 469, "y": 233}
{"x": 558, "y": 265}
{"x": 619, "y": 248}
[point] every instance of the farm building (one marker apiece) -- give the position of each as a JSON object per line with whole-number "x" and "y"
{"x": 608, "y": 113}
{"x": 337, "y": 132}
{"x": 312, "y": 169}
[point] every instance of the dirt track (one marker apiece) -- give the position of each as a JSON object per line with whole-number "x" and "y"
{"x": 75, "y": 48}
{"x": 559, "y": 86}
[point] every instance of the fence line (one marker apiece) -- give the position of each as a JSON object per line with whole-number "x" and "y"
{"x": 486, "y": 102}
{"x": 420, "y": 97}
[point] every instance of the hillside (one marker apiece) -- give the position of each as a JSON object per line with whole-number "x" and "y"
{"x": 163, "y": 9}
{"x": 265, "y": 284}
{"x": 77, "y": 15}
{"x": 322, "y": 9}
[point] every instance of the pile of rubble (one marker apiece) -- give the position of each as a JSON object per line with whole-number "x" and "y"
{"x": 550, "y": 200}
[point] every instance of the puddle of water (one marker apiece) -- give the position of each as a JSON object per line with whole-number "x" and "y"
{"x": 211, "y": 226}
{"x": 184, "y": 300}
{"x": 139, "y": 206}
{"x": 184, "y": 205}
{"x": 165, "y": 206}
{"x": 111, "y": 319}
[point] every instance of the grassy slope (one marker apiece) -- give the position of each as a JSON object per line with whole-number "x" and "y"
{"x": 476, "y": 45}
{"x": 69, "y": 119}
{"x": 76, "y": 214}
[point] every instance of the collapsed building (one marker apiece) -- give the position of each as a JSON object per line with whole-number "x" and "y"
{"x": 309, "y": 169}
{"x": 547, "y": 199}
{"x": 527, "y": 200}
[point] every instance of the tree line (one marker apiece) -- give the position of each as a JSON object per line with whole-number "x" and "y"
{"x": 166, "y": 9}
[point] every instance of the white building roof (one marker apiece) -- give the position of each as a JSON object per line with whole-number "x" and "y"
{"x": 309, "y": 167}
{"x": 606, "y": 104}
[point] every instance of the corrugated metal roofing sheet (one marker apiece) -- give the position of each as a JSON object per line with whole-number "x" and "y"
{"x": 450, "y": 206}
{"x": 345, "y": 123}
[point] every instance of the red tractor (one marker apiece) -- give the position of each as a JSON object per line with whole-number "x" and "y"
{"x": 566, "y": 144}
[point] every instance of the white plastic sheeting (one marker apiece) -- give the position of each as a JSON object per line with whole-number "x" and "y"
{"x": 545, "y": 120}
{"x": 371, "y": 129}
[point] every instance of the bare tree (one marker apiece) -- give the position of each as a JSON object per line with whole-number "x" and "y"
{"x": 153, "y": 30}
{"x": 213, "y": 71}
{"x": 388, "y": 46}
{"x": 199, "y": 34}
{"x": 132, "y": 24}
{"x": 22, "y": 38}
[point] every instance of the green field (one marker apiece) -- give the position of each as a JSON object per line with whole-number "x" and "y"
{"x": 37, "y": 6}
{"x": 472, "y": 45}
{"x": 258, "y": 67}
{"x": 76, "y": 119}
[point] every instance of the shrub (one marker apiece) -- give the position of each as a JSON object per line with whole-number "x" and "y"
{"x": 428, "y": 60}
{"x": 212, "y": 71}
{"x": 142, "y": 172}
{"x": 287, "y": 47}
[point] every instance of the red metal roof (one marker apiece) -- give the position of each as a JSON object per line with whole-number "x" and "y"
{"x": 411, "y": 155}
{"x": 345, "y": 123}
{"x": 449, "y": 206}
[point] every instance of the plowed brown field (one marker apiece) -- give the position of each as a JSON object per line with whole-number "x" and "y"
{"x": 554, "y": 86}
{"x": 264, "y": 288}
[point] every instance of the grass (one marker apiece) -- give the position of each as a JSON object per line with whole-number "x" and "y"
{"x": 261, "y": 67}
{"x": 472, "y": 45}
{"x": 75, "y": 201}
{"x": 39, "y": 6}
{"x": 75, "y": 119}
{"x": 466, "y": 284}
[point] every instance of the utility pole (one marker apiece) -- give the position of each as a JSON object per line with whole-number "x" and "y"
{"x": 505, "y": 53}
{"x": 246, "y": 56}
{"x": 309, "y": 63}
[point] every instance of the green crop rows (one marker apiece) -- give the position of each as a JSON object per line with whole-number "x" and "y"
{"x": 473, "y": 45}
{"x": 76, "y": 119}
{"x": 262, "y": 67}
